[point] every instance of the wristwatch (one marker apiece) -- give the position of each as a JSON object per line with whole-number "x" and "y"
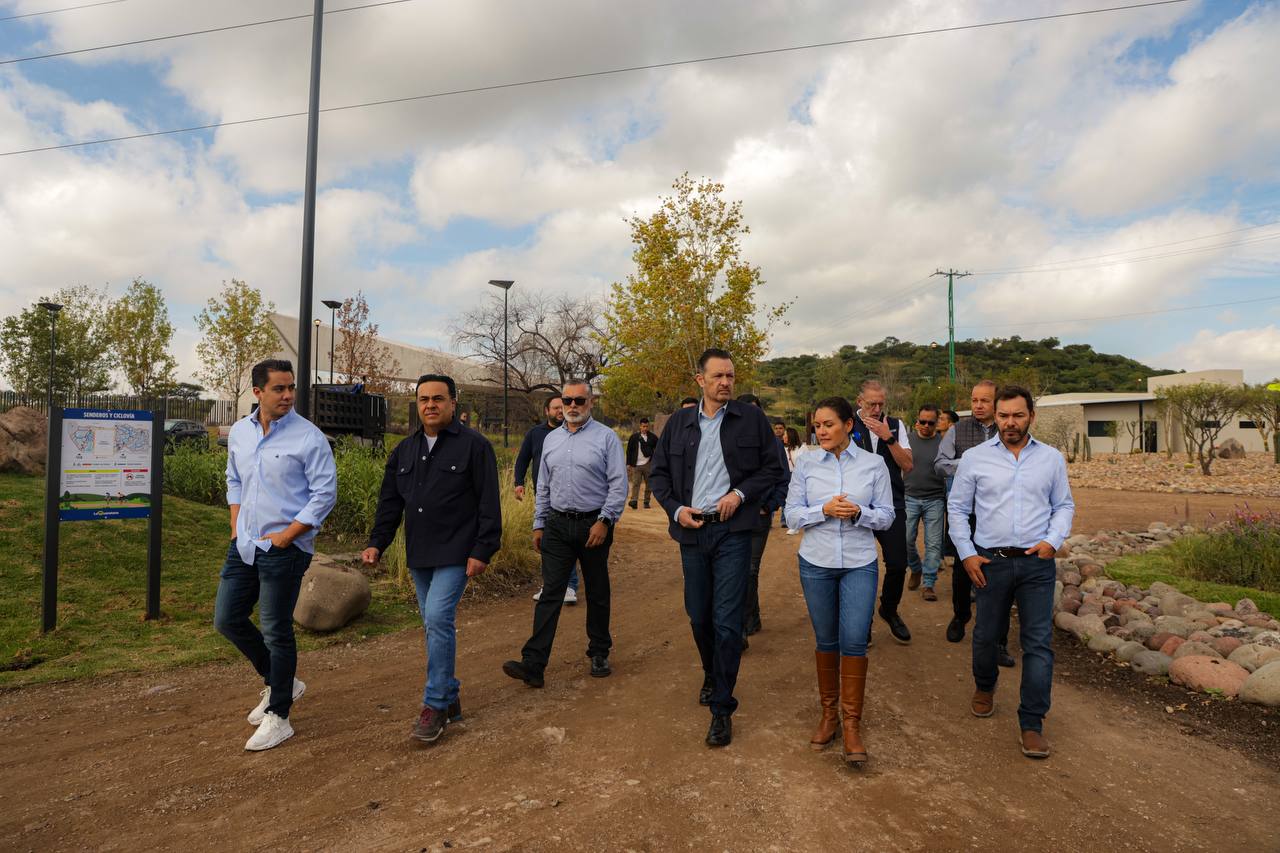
{"x": 607, "y": 521}
{"x": 892, "y": 439}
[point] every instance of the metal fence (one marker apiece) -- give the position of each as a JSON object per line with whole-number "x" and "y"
{"x": 207, "y": 412}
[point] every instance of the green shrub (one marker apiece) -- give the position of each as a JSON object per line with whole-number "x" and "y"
{"x": 359, "y": 481}
{"x": 1242, "y": 551}
{"x": 196, "y": 474}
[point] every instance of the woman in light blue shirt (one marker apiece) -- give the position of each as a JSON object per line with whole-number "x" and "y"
{"x": 839, "y": 495}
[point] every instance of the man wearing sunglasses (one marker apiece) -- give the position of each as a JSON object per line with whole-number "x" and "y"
{"x": 581, "y": 491}
{"x": 926, "y": 499}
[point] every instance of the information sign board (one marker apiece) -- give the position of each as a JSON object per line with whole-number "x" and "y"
{"x": 106, "y": 465}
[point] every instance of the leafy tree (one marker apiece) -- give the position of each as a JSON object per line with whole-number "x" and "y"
{"x": 691, "y": 290}
{"x": 1203, "y": 409}
{"x": 83, "y": 360}
{"x": 237, "y": 334}
{"x": 359, "y": 354}
{"x": 1262, "y": 406}
{"x": 140, "y": 333}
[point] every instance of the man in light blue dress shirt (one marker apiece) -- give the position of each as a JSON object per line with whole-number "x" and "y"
{"x": 581, "y": 491}
{"x": 281, "y": 484}
{"x": 1017, "y": 488}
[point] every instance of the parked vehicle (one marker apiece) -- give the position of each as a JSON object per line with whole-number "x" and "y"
{"x": 184, "y": 432}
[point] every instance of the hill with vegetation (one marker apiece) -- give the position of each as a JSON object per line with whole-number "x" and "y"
{"x": 917, "y": 373}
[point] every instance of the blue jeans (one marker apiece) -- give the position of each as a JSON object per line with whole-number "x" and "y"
{"x": 1028, "y": 581}
{"x": 715, "y": 589}
{"x": 933, "y": 511}
{"x": 272, "y": 582}
{"x": 840, "y": 603}
{"x": 439, "y": 591}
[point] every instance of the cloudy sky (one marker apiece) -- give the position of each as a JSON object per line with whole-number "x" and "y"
{"x": 1110, "y": 178}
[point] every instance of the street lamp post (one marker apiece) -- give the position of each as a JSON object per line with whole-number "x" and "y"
{"x": 333, "y": 305}
{"x": 506, "y": 384}
{"x": 316, "y": 357}
{"x": 53, "y": 308}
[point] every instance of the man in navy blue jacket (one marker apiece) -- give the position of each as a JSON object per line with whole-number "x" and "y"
{"x": 715, "y": 465}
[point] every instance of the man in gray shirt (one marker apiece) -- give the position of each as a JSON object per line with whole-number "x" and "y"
{"x": 582, "y": 488}
{"x": 926, "y": 499}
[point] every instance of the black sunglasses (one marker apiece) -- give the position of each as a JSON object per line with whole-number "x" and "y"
{"x": 574, "y": 401}
{"x": 923, "y": 422}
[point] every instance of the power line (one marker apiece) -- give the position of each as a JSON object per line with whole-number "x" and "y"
{"x": 1033, "y": 267}
{"x": 224, "y": 29}
{"x": 64, "y": 9}
{"x": 1126, "y": 315}
{"x": 909, "y": 290}
{"x": 587, "y": 74}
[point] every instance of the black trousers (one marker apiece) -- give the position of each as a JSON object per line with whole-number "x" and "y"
{"x": 564, "y": 542}
{"x": 893, "y": 547}
{"x": 751, "y": 609}
{"x": 962, "y": 593}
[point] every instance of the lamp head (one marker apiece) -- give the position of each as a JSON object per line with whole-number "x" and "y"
{"x": 505, "y": 285}
{"x": 331, "y": 304}
{"x": 51, "y": 307}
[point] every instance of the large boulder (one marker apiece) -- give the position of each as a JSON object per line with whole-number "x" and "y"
{"x": 1253, "y": 657}
{"x": 24, "y": 441}
{"x": 331, "y": 596}
{"x": 1263, "y": 686}
{"x": 1229, "y": 449}
{"x": 1205, "y": 674}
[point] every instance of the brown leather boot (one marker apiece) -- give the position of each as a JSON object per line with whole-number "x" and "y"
{"x": 853, "y": 685}
{"x": 829, "y": 694}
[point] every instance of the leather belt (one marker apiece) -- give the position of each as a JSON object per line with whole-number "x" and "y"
{"x": 1007, "y": 552}
{"x": 576, "y": 516}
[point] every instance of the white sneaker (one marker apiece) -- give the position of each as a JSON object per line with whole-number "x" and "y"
{"x": 273, "y": 732}
{"x": 255, "y": 716}
{"x": 537, "y": 596}
{"x": 792, "y": 532}
{"x": 570, "y": 595}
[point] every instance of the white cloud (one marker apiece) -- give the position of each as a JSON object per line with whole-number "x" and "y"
{"x": 1256, "y": 350}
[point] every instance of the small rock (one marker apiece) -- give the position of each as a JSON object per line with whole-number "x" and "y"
{"x": 1190, "y": 647}
{"x": 1127, "y": 651}
{"x": 1171, "y": 645}
{"x": 1267, "y": 638}
{"x": 1174, "y": 625}
{"x": 1208, "y": 673}
{"x": 1105, "y": 643}
{"x": 1262, "y": 687}
{"x": 1246, "y": 607}
{"x": 1253, "y": 657}
{"x": 1071, "y": 578}
{"x": 1226, "y": 645}
{"x": 1151, "y": 663}
{"x": 1066, "y": 621}
{"x": 1200, "y": 637}
{"x": 1220, "y": 608}
{"x": 553, "y": 734}
{"x": 1157, "y": 640}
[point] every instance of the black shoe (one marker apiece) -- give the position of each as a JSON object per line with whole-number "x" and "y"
{"x": 708, "y": 685}
{"x": 521, "y": 671}
{"x": 745, "y": 643}
{"x": 897, "y": 627}
{"x": 646, "y": 506}
{"x": 754, "y": 629}
{"x": 455, "y": 711}
{"x": 955, "y": 629}
{"x": 600, "y": 667}
{"x": 430, "y": 725}
{"x": 1003, "y": 657}
{"x": 631, "y": 504}
{"x": 721, "y": 731}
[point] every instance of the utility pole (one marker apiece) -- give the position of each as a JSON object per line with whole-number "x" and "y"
{"x": 302, "y": 401}
{"x": 951, "y": 275}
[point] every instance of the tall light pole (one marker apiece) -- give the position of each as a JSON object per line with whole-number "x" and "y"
{"x": 333, "y": 305}
{"x": 506, "y": 383}
{"x": 302, "y": 402}
{"x": 951, "y": 319}
{"x": 53, "y": 308}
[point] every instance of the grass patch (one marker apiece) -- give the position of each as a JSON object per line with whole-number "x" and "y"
{"x": 102, "y": 593}
{"x": 1166, "y": 565}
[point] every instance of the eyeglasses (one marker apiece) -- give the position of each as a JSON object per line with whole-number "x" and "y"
{"x": 574, "y": 401}
{"x": 923, "y": 422}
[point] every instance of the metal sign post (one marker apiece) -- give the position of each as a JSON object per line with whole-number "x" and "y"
{"x": 53, "y": 472}
{"x": 154, "y": 526}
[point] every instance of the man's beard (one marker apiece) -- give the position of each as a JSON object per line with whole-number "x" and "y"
{"x": 1017, "y": 435}
{"x": 575, "y": 417}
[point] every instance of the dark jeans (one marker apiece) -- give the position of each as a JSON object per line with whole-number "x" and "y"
{"x": 1029, "y": 582}
{"x": 715, "y": 587}
{"x": 272, "y": 582}
{"x": 893, "y": 547}
{"x": 751, "y": 609}
{"x": 564, "y": 542}
{"x": 962, "y": 589}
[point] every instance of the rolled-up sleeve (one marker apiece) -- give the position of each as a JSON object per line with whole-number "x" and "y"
{"x": 615, "y": 476}
{"x": 322, "y": 483}
{"x": 1062, "y": 507}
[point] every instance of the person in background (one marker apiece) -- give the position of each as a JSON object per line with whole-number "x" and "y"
{"x": 946, "y": 420}
{"x": 840, "y": 494}
{"x": 582, "y": 491}
{"x": 760, "y": 536}
{"x": 527, "y": 461}
{"x": 640, "y": 447}
{"x": 441, "y": 483}
{"x": 715, "y": 465}
{"x": 688, "y": 402}
{"x": 795, "y": 447}
{"x": 281, "y": 485}
{"x": 926, "y": 497}
{"x": 1017, "y": 489}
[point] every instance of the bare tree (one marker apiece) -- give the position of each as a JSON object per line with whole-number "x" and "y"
{"x": 551, "y": 339}
{"x": 1204, "y": 409}
{"x": 1133, "y": 429}
{"x": 1059, "y": 429}
{"x": 359, "y": 354}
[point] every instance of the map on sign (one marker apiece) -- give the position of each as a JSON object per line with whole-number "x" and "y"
{"x": 106, "y": 465}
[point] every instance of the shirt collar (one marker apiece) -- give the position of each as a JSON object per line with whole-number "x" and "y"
{"x": 850, "y": 451}
{"x": 703, "y": 416}
{"x": 588, "y": 422}
{"x": 279, "y": 422}
{"x": 453, "y": 428}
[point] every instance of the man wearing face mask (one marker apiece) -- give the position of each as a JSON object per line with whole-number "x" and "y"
{"x": 582, "y": 489}
{"x": 886, "y": 436}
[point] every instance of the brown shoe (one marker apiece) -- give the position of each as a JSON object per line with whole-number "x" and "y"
{"x": 983, "y": 704}
{"x": 913, "y": 582}
{"x": 829, "y": 696}
{"x": 928, "y": 594}
{"x": 1034, "y": 745}
{"x": 853, "y": 685}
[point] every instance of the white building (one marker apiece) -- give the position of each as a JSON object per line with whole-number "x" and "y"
{"x": 1119, "y": 422}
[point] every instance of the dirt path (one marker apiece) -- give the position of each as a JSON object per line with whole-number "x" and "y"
{"x": 156, "y": 761}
